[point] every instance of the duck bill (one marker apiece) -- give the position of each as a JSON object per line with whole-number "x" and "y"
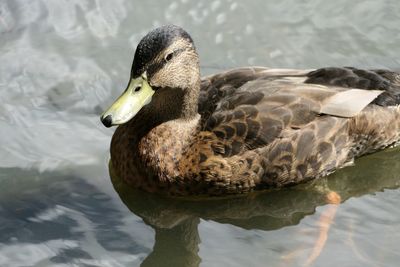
{"x": 137, "y": 94}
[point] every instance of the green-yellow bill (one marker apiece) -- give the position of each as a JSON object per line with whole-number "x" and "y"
{"x": 138, "y": 94}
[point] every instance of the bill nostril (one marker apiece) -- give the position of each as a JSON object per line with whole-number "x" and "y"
{"x": 107, "y": 121}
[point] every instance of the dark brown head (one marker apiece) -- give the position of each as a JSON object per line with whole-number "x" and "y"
{"x": 165, "y": 75}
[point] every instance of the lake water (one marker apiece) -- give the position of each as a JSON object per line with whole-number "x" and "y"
{"x": 62, "y": 62}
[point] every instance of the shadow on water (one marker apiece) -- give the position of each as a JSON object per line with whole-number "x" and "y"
{"x": 55, "y": 217}
{"x": 176, "y": 221}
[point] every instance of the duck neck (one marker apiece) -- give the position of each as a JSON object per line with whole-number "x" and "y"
{"x": 162, "y": 148}
{"x": 174, "y": 103}
{"x": 189, "y": 108}
{"x": 172, "y": 122}
{"x": 171, "y": 104}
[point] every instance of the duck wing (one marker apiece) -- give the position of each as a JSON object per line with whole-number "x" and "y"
{"x": 249, "y": 108}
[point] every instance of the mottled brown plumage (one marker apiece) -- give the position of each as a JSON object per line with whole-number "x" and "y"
{"x": 245, "y": 129}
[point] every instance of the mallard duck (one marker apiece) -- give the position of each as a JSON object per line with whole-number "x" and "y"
{"x": 244, "y": 129}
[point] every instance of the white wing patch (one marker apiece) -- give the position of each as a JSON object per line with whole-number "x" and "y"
{"x": 348, "y": 103}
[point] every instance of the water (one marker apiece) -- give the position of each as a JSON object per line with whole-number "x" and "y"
{"x": 63, "y": 62}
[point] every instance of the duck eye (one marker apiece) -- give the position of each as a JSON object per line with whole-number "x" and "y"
{"x": 137, "y": 89}
{"x": 169, "y": 57}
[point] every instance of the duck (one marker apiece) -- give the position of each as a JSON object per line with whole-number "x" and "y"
{"x": 244, "y": 129}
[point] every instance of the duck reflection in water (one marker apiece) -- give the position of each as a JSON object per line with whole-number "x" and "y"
{"x": 176, "y": 220}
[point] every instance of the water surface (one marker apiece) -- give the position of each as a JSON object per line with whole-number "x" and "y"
{"x": 63, "y": 62}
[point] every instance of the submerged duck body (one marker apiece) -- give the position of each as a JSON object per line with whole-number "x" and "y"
{"x": 244, "y": 129}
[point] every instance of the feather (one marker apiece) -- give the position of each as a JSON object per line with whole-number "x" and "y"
{"x": 348, "y": 103}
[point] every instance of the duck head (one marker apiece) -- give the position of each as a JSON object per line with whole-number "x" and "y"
{"x": 165, "y": 78}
